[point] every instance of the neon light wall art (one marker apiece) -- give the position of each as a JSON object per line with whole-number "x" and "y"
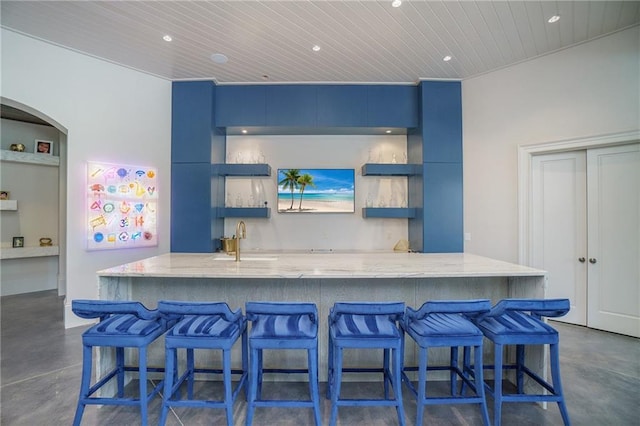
{"x": 121, "y": 206}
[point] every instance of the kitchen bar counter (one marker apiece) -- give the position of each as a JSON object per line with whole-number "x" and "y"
{"x": 322, "y": 278}
{"x": 295, "y": 265}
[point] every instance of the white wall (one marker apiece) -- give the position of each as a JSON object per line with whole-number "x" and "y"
{"x": 588, "y": 90}
{"x": 320, "y": 231}
{"x": 113, "y": 114}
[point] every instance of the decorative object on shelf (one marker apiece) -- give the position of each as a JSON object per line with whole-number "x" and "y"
{"x": 4, "y": 195}
{"x": 46, "y": 242}
{"x": 18, "y": 147}
{"x": 402, "y": 245}
{"x": 43, "y": 147}
{"x": 18, "y": 242}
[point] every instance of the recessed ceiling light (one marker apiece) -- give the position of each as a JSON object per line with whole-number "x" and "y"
{"x": 447, "y": 58}
{"x": 396, "y": 3}
{"x": 315, "y": 48}
{"x": 167, "y": 38}
{"x": 244, "y": 131}
{"x": 388, "y": 131}
{"x": 219, "y": 58}
{"x": 554, "y": 18}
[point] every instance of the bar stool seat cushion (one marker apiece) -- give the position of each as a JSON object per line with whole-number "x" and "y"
{"x": 125, "y": 325}
{"x": 511, "y": 324}
{"x": 365, "y": 326}
{"x": 443, "y": 325}
{"x": 283, "y": 327}
{"x": 204, "y": 326}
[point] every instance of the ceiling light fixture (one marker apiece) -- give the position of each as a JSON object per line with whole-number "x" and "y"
{"x": 388, "y": 131}
{"x": 219, "y": 58}
{"x": 396, "y": 3}
{"x": 244, "y": 131}
{"x": 554, "y": 18}
{"x": 167, "y": 38}
{"x": 315, "y": 48}
{"x": 447, "y": 58}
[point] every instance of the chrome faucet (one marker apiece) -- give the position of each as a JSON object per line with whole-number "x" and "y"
{"x": 241, "y": 232}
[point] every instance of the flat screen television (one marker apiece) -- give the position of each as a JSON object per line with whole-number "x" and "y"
{"x": 316, "y": 190}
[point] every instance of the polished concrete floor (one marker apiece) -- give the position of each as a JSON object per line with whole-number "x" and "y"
{"x": 41, "y": 366}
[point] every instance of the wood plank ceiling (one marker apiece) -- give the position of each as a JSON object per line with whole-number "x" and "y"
{"x": 360, "y": 41}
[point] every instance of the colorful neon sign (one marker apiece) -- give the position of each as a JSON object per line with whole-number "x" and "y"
{"x": 121, "y": 206}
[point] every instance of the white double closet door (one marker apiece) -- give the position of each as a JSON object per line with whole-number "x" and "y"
{"x": 585, "y": 219}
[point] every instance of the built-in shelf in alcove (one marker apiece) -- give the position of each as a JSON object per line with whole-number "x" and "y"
{"x": 27, "y": 251}
{"x": 9, "y": 205}
{"x": 29, "y": 158}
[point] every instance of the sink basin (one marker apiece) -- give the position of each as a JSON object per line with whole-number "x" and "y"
{"x": 246, "y": 258}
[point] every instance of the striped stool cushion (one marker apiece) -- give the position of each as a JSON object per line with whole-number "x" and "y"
{"x": 283, "y": 326}
{"x": 374, "y": 326}
{"x": 444, "y": 325}
{"x": 513, "y": 324}
{"x": 124, "y": 325}
{"x": 204, "y": 326}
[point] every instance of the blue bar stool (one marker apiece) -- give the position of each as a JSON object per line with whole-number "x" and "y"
{"x": 442, "y": 324}
{"x": 122, "y": 325}
{"x": 282, "y": 326}
{"x": 519, "y": 322}
{"x": 202, "y": 325}
{"x": 366, "y": 326}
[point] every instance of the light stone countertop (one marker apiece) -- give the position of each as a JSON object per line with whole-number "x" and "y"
{"x": 298, "y": 265}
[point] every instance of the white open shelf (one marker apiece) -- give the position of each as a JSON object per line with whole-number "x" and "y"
{"x": 29, "y": 251}
{"x": 8, "y": 204}
{"x": 28, "y": 157}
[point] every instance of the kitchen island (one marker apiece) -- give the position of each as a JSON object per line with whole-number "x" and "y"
{"x": 322, "y": 278}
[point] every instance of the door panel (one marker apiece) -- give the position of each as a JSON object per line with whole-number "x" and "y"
{"x": 613, "y": 179}
{"x": 559, "y": 228}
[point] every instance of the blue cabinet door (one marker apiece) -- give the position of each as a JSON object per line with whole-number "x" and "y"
{"x": 392, "y": 106}
{"x": 443, "y": 220}
{"x": 342, "y": 106}
{"x": 191, "y": 208}
{"x": 191, "y": 121}
{"x": 441, "y": 121}
{"x": 240, "y": 106}
{"x": 291, "y": 106}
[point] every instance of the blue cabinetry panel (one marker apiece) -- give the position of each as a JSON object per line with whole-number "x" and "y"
{"x": 443, "y": 221}
{"x": 291, "y": 105}
{"x": 191, "y": 121}
{"x": 191, "y": 208}
{"x": 342, "y": 106}
{"x": 241, "y": 106}
{"x": 392, "y": 106}
{"x": 441, "y": 121}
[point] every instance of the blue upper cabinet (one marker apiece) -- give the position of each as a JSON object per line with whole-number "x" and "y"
{"x": 191, "y": 208}
{"x": 191, "y": 120}
{"x": 442, "y": 121}
{"x": 342, "y": 106}
{"x": 291, "y": 106}
{"x": 241, "y": 106}
{"x": 392, "y": 106}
